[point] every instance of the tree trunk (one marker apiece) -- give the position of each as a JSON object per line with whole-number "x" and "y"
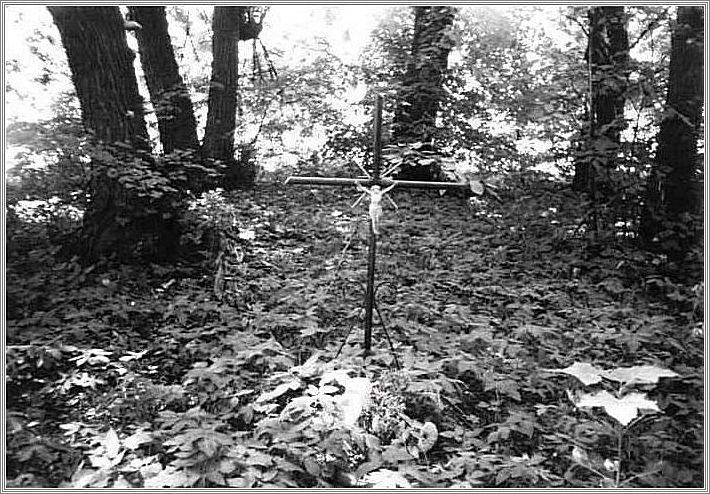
{"x": 672, "y": 189}
{"x": 117, "y": 220}
{"x": 222, "y": 99}
{"x": 607, "y": 57}
{"x": 170, "y": 97}
{"x": 101, "y": 64}
{"x": 423, "y": 84}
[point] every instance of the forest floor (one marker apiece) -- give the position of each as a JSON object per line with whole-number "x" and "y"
{"x": 251, "y": 375}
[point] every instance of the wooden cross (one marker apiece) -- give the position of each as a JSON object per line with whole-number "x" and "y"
{"x": 374, "y": 180}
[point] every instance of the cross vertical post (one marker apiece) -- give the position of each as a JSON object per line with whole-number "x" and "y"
{"x": 372, "y": 247}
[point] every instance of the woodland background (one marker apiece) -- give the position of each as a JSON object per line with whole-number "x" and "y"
{"x": 176, "y": 316}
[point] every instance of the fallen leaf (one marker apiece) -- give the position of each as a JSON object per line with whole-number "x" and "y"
{"x": 642, "y": 374}
{"x": 624, "y": 410}
{"x": 386, "y": 479}
{"x": 279, "y": 390}
{"x": 428, "y": 436}
{"x": 586, "y": 373}
{"x": 135, "y": 440}
{"x": 111, "y": 443}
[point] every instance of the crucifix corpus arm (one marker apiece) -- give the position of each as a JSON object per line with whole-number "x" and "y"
{"x": 361, "y": 188}
{"x": 389, "y": 188}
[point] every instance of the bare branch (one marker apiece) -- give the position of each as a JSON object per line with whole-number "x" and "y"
{"x": 581, "y": 26}
{"x": 653, "y": 25}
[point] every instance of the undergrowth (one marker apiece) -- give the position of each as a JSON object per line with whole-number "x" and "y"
{"x": 241, "y": 367}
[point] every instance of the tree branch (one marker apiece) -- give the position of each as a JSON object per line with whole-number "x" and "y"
{"x": 653, "y": 25}
{"x": 582, "y": 26}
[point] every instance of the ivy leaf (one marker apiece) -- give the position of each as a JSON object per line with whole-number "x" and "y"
{"x": 239, "y": 482}
{"x": 299, "y": 404}
{"x": 429, "y": 435}
{"x": 328, "y": 389}
{"x": 151, "y": 469}
{"x": 586, "y": 373}
{"x": 89, "y": 478}
{"x": 386, "y": 479}
{"x": 476, "y": 187}
{"x": 169, "y": 477}
{"x": 311, "y": 466}
{"x": 642, "y": 374}
{"x": 396, "y": 453}
{"x": 624, "y": 410}
{"x": 135, "y": 440}
{"x": 309, "y": 368}
{"x": 281, "y": 389}
{"x": 580, "y": 456}
{"x": 71, "y": 428}
{"x": 122, "y": 483}
{"x": 259, "y": 459}
{"x": 39, "y": 450}
{"x": 340, "y": 376}
{"x": 368, "y": 466}
{"x": 216, "y": 477}
{"x": 100, "y": 461}
{"x": 132, "y": 356}
{"x": 111, "y": 443}
{"x": 502, "y": 476}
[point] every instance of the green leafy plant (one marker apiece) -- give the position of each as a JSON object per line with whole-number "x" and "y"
{"x": 624, "y": 406}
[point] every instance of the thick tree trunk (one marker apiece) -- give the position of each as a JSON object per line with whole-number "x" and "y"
{"x": 101, "y": 64}
{"x": 607, "y": 58}
{"x": 423, "y": 83}
{"x": 116, "y": 221}
{"x": 170, "y": 97}
{"x": 672, "y": 186}
{"x": 222, "y": 99}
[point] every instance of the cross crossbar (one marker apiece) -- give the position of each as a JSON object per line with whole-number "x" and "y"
{"x": 368, "y": 182}
{"x": 374, "y": 181}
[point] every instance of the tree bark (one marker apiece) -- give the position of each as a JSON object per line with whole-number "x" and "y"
{"x": 607, "y": 57}
{"x": 101, "y": 64}
{"x": 672, "y": 190}
{"x": 116, "y": 221}
{"x": 170, "y": 98}
{"x": 222, "y": 99}
{"x": 423, "y": 84}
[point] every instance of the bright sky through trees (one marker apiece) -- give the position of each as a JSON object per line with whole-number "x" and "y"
{"x": 291, "y": 29}
{"x": 295, "y": 35}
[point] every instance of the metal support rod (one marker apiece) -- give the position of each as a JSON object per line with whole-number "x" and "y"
{"x": 370, "y": 290}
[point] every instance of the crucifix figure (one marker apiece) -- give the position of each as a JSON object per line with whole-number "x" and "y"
{"x": 376, "y": 187}
{"x": 376, "y": 194}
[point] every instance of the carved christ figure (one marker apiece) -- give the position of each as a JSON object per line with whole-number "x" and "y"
{"x": 376, "y": 194}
